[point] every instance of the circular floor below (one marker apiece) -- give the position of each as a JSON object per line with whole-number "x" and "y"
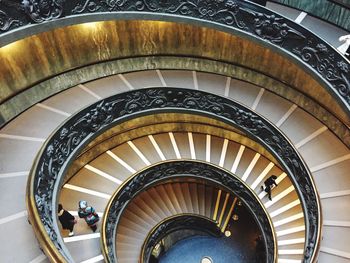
{"x": 241, "y": 247}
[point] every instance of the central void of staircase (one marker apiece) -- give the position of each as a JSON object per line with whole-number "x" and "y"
{"x": 242, "y": 245}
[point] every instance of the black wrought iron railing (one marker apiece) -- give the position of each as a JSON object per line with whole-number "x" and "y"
{"x": 172, "y": 170}
{"x": 69, "y": 139}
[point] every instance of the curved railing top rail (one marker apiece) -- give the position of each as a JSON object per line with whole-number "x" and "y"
{"x": 175, "y": 223}
{"x": 69, "y": 139}
{"x": 169, "y": 170}
{"x": 248, "y": 19}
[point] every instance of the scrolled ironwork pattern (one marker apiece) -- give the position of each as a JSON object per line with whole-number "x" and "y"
{"x": 176, "y": 169}
{"x": 84, "y": 126}
{"x": 174, "y": 224}
{"x": 252, "y": 19}
{"x": 43, "y": 10}
{"x": 7, "y": 22}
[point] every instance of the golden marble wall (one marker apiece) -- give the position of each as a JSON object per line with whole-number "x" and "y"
{"x": 37, "y": 58}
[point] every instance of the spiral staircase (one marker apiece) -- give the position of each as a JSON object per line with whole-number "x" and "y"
{"x": 101, "y": 177}
{"x": 326, "y": 156}
{"x": 285, "y": 208}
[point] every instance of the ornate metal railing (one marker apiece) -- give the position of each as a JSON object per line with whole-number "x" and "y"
{"x": 271, "y": 29}
{"x": 69, "y": 139}
{"x": 175, "y": 170}
{"x": 175, "y": 223}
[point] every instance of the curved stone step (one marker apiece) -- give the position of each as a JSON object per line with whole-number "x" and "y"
{"x": 183, "y": 195}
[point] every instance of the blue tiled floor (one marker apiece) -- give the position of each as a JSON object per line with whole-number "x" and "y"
{"x": 239, "y": 248}
{"x": 192, "y": 250}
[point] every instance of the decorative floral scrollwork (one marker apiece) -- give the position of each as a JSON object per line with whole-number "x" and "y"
{"x": 209, "y": 7}
{"x": 114, "y": 5}
{"x": 43, "y": 10}
{"x": 153, "y": 5}
{"x": 274, "y": 29}
{"x": 224, "y": 11}
{"x": 89, "y": 6}
{"x": 344, "y": 85}
{"x": 100, "y": 116}
{"x": 6, "y": 21}
{"x": 321, "y": 58}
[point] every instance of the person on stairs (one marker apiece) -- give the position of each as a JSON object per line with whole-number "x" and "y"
{"x": 66, "y": 219}
{"x": 269, "y": 182}
{"x": 89, "y": 214}
{"x": 345, "y": 48}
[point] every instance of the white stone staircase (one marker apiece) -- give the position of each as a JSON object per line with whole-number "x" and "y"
{"x": 327, "y": 158}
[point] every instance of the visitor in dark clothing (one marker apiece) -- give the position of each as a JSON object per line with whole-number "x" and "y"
{"x": 66, "y": 219}
{"x": 89, "y": 214}
{"x": 269, "y": 182}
